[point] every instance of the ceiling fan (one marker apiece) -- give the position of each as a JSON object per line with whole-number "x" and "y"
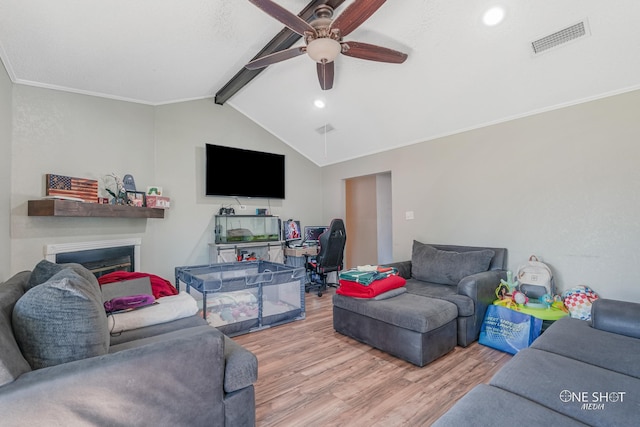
{"x": 323, "y": 37}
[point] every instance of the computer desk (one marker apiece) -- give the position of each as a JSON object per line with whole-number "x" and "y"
{"x": 303, "y": 251}
{"x": 299, "y": 257}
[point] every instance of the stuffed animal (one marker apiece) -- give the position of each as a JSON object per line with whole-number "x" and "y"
{"x": 547, "y": 300}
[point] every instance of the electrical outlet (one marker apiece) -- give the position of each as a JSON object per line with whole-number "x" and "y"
{"x": 242, "y": 207}
{"x": 408, "y": 215}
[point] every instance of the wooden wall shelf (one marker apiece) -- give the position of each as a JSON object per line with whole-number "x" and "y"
{"x": 57, "y": 207}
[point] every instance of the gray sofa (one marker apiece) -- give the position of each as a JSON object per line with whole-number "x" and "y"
{"x": 446, "y": 294}
{"x": 576, "y": 373}
{"x": 467, "y": 276}
{"x": 59, "y": 366}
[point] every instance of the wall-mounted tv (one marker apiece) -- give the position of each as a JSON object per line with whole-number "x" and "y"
{"x": 243, "y": 173}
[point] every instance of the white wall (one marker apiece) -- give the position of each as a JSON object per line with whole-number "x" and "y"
{"x": 563, "y": 185}
{"x": 5, "y": 173}
{"x": 75, "y": 135}
{"x": 384, "y": 204}
{"x": 90, "y": 137}
{"x": 182, "y": 130}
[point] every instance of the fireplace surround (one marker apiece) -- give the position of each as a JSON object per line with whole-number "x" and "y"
{"x": 100, "y": 257}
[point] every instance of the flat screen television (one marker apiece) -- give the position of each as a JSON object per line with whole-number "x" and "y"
{"x": 243, "y": 173}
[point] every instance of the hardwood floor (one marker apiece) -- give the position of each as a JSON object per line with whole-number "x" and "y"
{"x": 309, "y": 375}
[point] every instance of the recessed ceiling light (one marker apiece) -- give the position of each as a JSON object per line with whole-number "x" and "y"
{"x": 493, "y": 16}
{"x": 319, "y": 103}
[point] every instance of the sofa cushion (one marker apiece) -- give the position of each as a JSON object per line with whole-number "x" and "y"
{"x": 484, "y": 406}
{"x": 42, "y": 272}
{"x": 447, "y": 267}
{"x": 466, "y": 306}
{"x": 406, "y": 311}
{"x": 154, "y": 330}
{"x": 618, "y": 317}
{"x": 390, "y": 294}
{"x": 567, "y": 337}
{"x": 587, "y": 393}
{"x": 61, "y": 320}
{"x": 45, "y": 270}
{"x": 12, "y": 363}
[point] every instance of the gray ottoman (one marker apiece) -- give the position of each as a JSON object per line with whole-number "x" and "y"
{"x": 412, "y": 327}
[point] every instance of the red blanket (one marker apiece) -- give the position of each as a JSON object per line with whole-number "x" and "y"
{"x": 377, "y": 287}
{"x": 159, "y": 286}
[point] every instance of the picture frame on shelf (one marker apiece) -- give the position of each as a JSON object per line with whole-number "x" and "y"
{"x": 136, "y": 198}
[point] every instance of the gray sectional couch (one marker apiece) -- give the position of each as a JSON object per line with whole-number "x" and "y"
{"x": 576, "y": 373}
{"x": 447, "y": 291}
{"x": 59, "y": 366}
{"x": 466, "y": 276}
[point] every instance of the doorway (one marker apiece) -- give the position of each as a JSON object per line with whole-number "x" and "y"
{"x": 368, "y": 220}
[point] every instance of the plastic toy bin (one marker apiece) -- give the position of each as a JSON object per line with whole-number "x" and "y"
{"x": 242, "y": 297}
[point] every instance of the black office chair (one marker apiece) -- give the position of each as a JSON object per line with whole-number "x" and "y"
{"x": 329, "y": 258}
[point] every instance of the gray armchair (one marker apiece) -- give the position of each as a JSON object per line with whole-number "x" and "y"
{"x": 183, "y": 372}
{"x": 464, "y": 275}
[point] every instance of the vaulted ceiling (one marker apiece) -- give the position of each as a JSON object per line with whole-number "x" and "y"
{"x": 460, "y": 73}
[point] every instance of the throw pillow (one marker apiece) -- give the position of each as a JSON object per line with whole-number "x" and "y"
{"x": 12, "y": 363}
{"x": 44, "y": 270}
{"x": 447, "y": 267}
{"x": 61, "y": 320}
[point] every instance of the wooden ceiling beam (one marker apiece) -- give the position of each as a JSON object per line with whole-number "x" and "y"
{"x": 283, "y": 40}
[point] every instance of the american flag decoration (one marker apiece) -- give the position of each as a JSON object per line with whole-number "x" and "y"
{"x": 68, "y": 186}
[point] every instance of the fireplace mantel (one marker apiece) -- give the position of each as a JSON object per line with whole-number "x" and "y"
{"x": 57, "y": 207}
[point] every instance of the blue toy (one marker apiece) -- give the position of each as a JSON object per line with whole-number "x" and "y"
{"x": 547, "y": 300}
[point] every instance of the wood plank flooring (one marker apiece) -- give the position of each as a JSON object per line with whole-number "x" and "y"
{"x": 310, "y": 375}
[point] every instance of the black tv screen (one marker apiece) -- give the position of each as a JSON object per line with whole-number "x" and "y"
{"x": 243, "y": 173}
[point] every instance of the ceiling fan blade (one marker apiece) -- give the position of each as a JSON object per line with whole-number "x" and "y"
{"x": 275, "y": 57}
{"x": 325, "y": 74}
{"x": 372, "y": 52}
{"x": 355, "y": 14}
{"x": 292, "y": 21}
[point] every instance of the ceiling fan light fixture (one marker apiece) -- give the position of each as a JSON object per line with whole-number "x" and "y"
{"x": 323, "y": 49}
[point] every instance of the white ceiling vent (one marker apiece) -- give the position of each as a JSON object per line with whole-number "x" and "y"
{"x": 561, "y": 37}
{"x": 323, "y": 130}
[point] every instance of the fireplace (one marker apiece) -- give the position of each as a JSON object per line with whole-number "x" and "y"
{"x": 100, "y": 257}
